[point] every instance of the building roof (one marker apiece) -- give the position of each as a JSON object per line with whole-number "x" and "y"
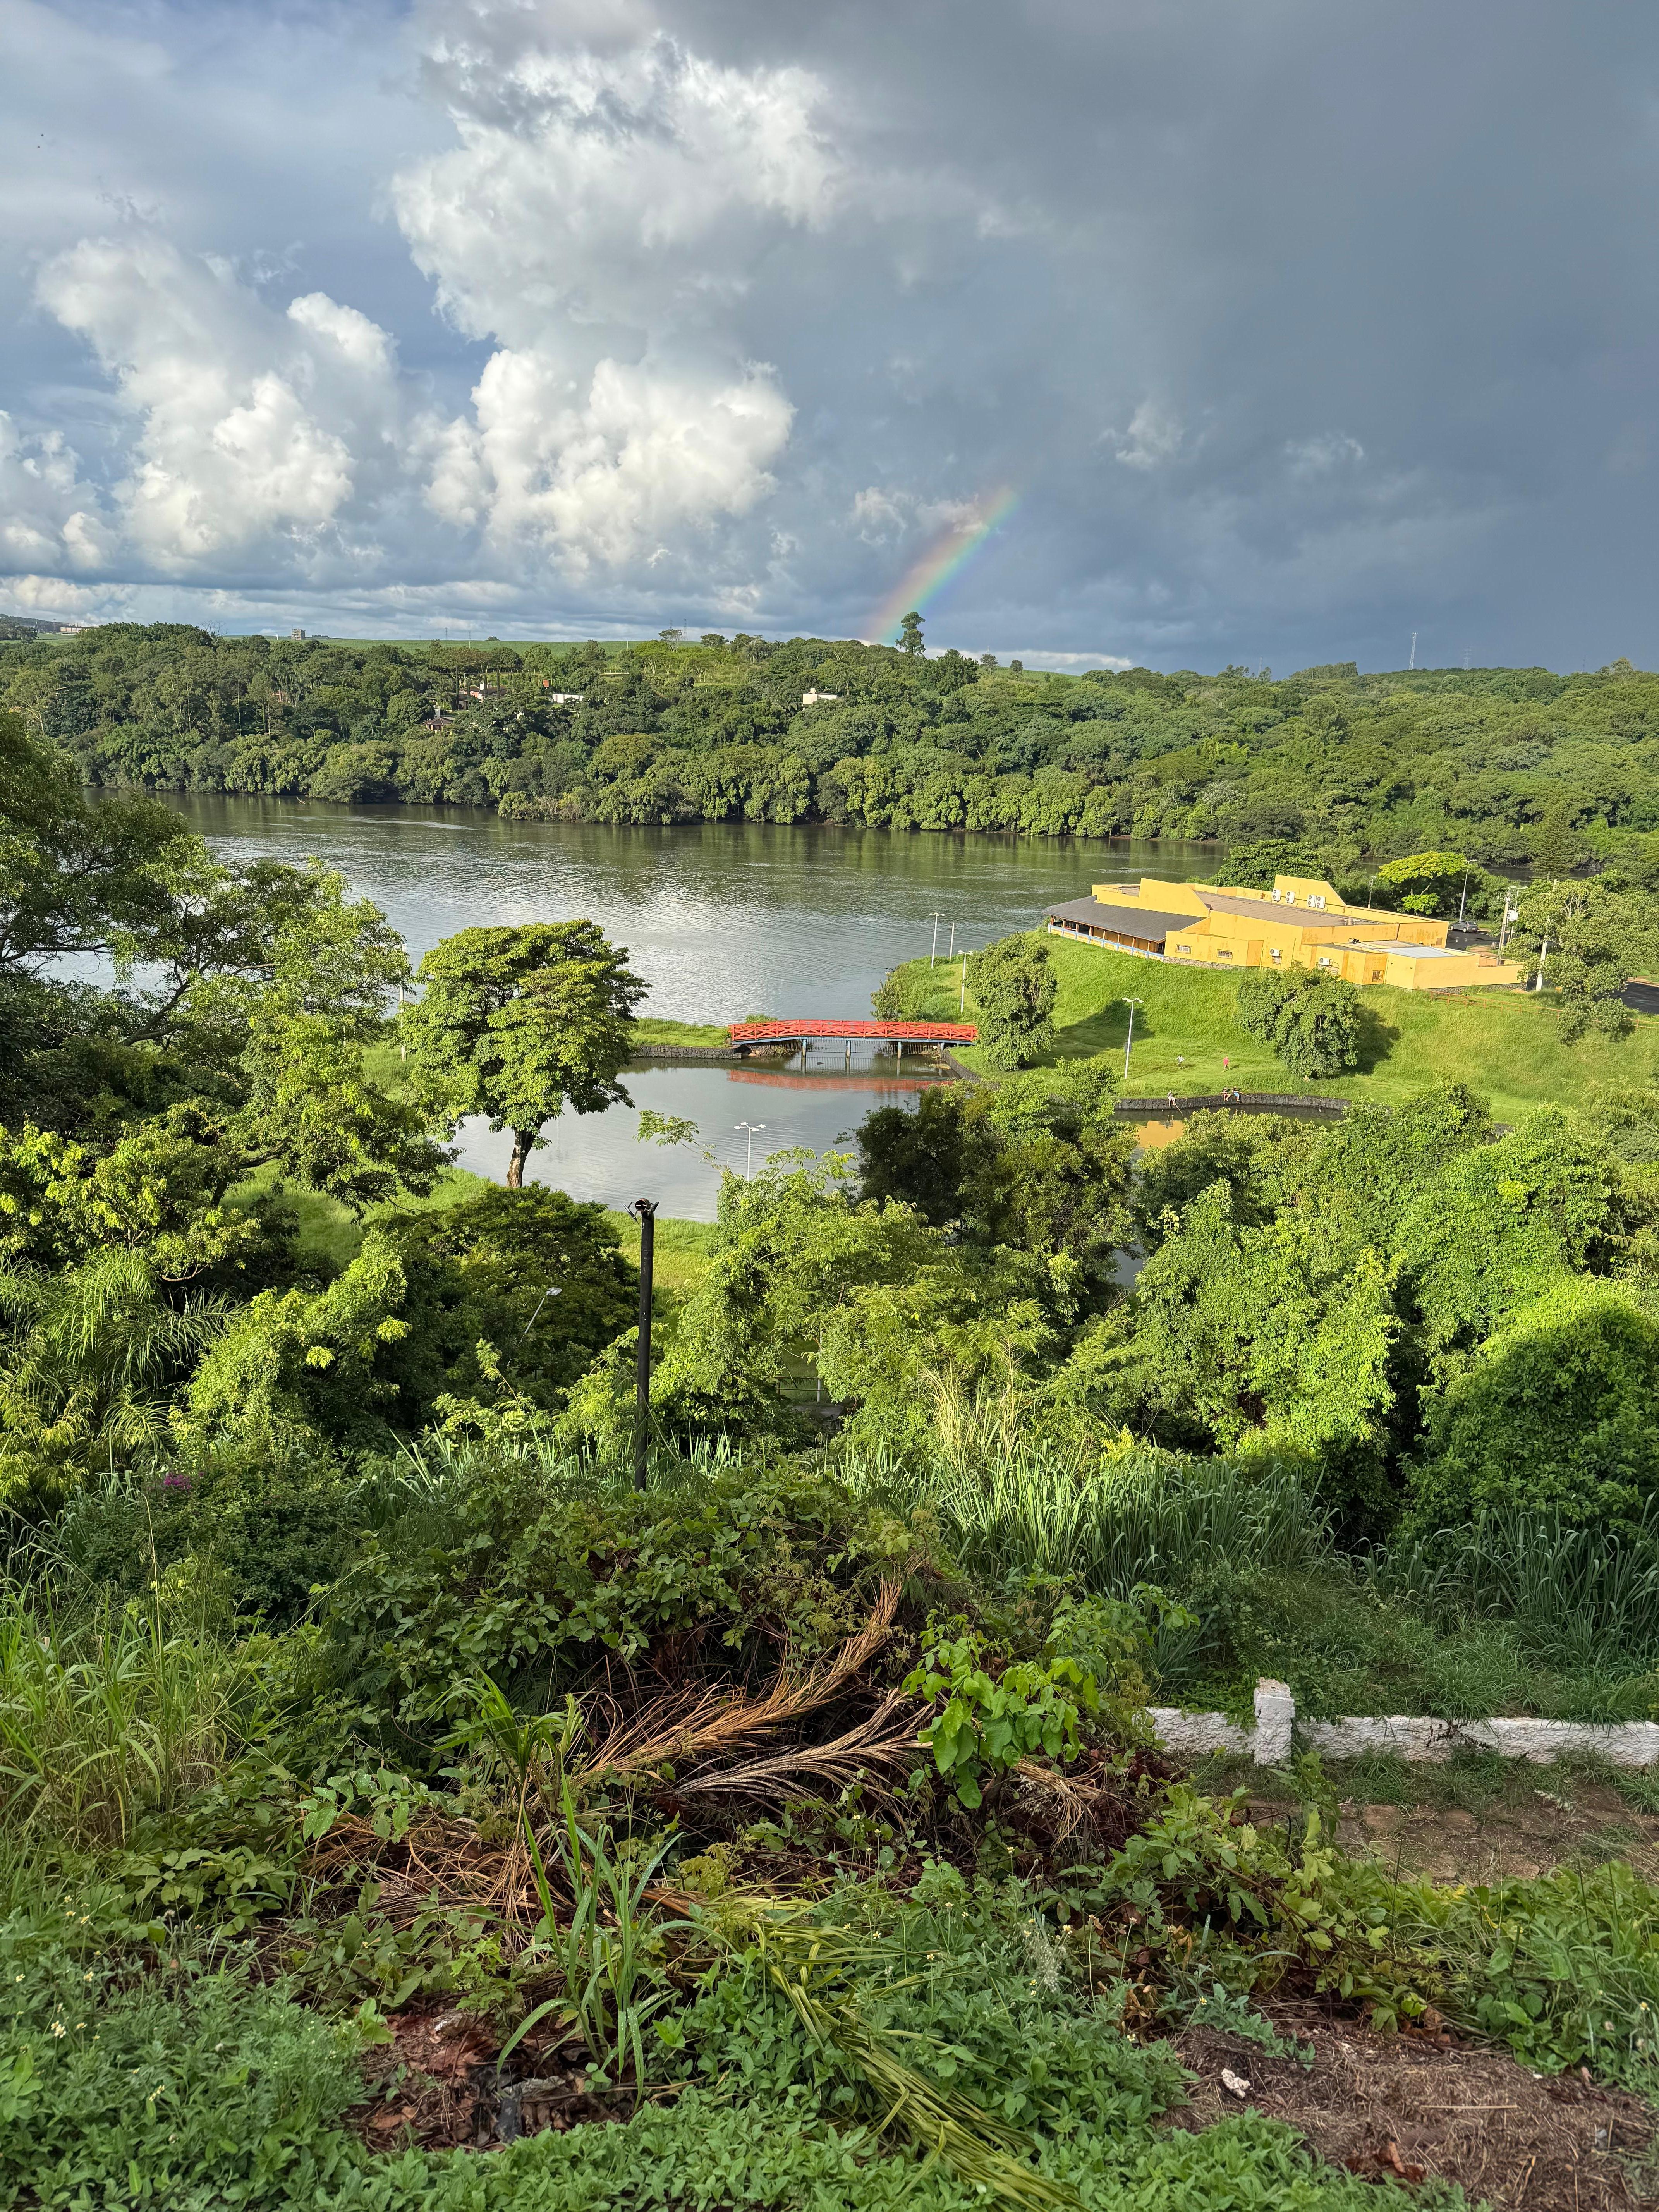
{"x": 1138, "y": 922}
{"x": 1411, "y": 952}
{"x": 1263, "y": 910}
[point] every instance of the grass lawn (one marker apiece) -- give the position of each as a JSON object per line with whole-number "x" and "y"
{"x": 654, "y": 1031}
{"x": 681, "y": 1253}
{"x": 1503, "y": 1043}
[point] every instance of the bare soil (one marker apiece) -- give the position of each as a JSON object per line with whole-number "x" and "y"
{"x": 1419, "y": 2108}
{"x": 437, "y": 2083}
{"x": 1556, "y": 1822}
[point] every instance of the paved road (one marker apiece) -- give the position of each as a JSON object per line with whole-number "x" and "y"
{"x": 1642, "y": 998}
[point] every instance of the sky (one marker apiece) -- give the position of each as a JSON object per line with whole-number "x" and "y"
{"x": 1180, "y": 332}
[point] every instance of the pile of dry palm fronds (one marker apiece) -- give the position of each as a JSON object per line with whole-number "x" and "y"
{"x": 702, "y": 1746}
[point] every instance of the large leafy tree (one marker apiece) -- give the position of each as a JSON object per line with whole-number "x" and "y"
{"x": 1592, "y": 937}
{"x": 76, "y": 877}
{"x": 516, "y": 1024}
{"x": 1441, "y": 884}
{"x": 1014, "y": 990}
{"x": 1311, "y": 1021}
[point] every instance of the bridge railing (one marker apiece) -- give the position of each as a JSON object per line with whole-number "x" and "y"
{"x": 901, "y": 1032}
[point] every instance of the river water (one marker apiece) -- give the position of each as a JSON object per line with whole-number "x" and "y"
{"x": 722, "y": 920}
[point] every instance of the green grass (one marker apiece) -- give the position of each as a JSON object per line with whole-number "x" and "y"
{"x": 681, "y": 1251}
{"x": 1503, "y": 1042}
{"x": 654, "y": 1031}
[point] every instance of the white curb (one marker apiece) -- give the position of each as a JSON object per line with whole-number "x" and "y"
{"x": 1195, "y": 1735}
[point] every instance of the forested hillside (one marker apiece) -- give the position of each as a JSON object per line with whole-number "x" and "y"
{"x": 1512, "y": 766}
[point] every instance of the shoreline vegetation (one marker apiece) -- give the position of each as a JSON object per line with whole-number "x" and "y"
{"x": 1518, "y": 768}
{"x": 427, "y": 1787}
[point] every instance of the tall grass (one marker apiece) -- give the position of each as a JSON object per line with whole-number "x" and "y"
{"x": 1575, "y": 1594}
{"x": 1138, "y": 1516}
{"x": 111, "y": 1718}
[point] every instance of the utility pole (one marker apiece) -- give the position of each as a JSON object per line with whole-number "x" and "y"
{"x": 1411, "y": 662}
{"x": 1131, "y": 1004}
{"x": 934, "y": 955}
{"x": 645, "y": 1209}
{"x": 1464, "y": 896}
{"x": 961, "y": 1003}
{"x": 951, "y": 954}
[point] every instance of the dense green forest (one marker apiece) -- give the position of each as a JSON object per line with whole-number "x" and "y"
{"x": 422, "y": 1786}
{"x": 1512, "y": 767}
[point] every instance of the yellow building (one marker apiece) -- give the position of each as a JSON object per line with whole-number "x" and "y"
{"x": 1300, "y": 923}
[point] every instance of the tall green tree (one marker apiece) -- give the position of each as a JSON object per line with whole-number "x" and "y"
{"x": 518, "y": 1024}
{"x": 1439, "y": 884}
{"x": 1311, "y": 1021}
{"x": 79, "y": 878}
{"x": 1600, "y": 932}
{"x": 1014, "y": 990}
{"x": 910, "y": 635}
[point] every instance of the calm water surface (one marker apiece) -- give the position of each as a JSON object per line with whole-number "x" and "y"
{"x": 721, "y": 921}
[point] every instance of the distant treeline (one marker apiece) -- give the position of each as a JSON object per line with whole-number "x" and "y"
{"x": 1512, "y": 766}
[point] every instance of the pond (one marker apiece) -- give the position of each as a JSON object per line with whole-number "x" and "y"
{"x": 721, "y": 920}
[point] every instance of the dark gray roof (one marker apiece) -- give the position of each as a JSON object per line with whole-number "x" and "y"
{"x": 1145, "y": 923}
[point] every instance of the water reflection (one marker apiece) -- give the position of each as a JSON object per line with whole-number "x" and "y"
{"x": 599, "y": 1155}
{"x": 721, "y": 920}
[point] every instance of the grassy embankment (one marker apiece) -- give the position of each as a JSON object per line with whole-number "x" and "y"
{"x": 654, "y": 1030}
{"x": 1503, "y": 1042}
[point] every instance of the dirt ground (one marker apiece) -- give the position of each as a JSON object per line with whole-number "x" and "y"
{"x": 1414, "y": 2108}
{"x": 1473, "y": 1820}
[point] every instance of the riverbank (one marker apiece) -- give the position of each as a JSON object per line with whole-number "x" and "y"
{"x": 1505, "y": 1043}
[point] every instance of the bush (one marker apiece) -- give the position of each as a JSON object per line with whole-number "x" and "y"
{"x": 1555, "y": 1414}
{"x": 543, "y": 1575}
{"x": 1311, "y": 1021}
{"x": 538, "y": 1277}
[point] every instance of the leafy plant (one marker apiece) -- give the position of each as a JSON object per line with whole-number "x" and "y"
{"x": 608, "y": 1951}
{"x": 988, "y": 1723}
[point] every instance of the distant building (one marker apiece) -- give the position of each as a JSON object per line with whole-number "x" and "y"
{"x": 297, "y": 636}
{"x": 1300, "y": 923}
{"x": 818, "y": 698}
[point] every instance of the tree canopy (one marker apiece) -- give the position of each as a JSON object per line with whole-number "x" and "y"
{"x": 516, "y": 1024}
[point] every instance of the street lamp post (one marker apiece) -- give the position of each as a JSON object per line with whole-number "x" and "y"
{"x": 644, "y": 1211}
{"x": 962, "y": 1002}
{"x": 934, "y": 955}
{"x": 748, "y": 1163}
{"x": 1131, "y": 1004}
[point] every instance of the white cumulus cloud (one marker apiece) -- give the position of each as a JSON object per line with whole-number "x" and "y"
{"x": 251, "y": 427}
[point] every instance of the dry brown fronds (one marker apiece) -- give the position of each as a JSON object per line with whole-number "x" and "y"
{"x": 689, "y": 1728}
{"x": 874, "y": 1742}
{"x": 1065, "y": 1802}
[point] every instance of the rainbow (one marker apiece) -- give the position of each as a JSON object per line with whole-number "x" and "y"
{"x": 943, "y": 561}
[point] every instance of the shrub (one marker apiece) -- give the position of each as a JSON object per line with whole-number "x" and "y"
{"x": 540, "y": 1574}
{"x": 1311, "y": 1021}
{"x": 1555, "y": 1414}
{"x": 538, "y": 1277}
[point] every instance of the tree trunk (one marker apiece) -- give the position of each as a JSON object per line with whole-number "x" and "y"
{"x": 522, "y": 1140}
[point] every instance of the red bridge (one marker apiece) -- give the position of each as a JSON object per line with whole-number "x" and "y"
{"x": 748, "y": 1033}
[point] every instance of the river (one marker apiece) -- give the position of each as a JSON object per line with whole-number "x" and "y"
{"x": 721, "y": 920}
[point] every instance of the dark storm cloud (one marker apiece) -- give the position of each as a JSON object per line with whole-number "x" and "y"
{"x": 1295, "y": 329}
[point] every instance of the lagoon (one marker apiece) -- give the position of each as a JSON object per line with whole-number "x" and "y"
{"x": 722, "y": 920}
